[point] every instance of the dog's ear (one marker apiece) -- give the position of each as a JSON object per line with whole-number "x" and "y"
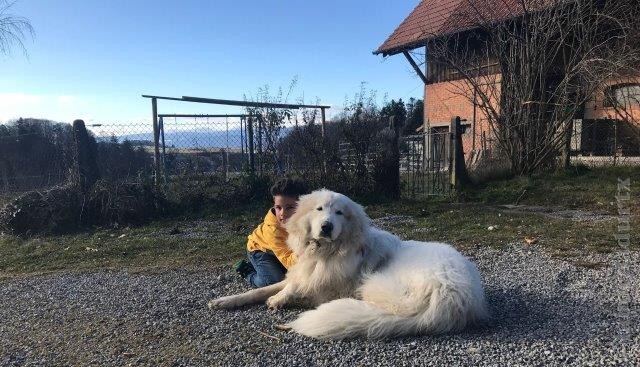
{"x": 358, "y": 220}
{"x": 297, "y": 225}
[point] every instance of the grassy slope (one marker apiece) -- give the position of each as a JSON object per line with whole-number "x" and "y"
{"x": 467, "y": 224}
{"x": 577, "y": 188}
{"x": 219, "y": 236}
{"x": 206, "y": 238}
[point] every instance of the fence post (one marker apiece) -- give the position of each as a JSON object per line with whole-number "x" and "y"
{"x": 387, "y": 170}
{"x": 164, "y": 152}
{"x": 225, "y": 163}
{"x": 156, "y": 143}
{"x": 85, "y": 166}
{"x": 453, "y": 128}
{"x": 260, "y": 152}
{"x": 322, "y": 131}
{"x": 395, "y": 151}
{"x": 615, "y": 142}
{"x": 241, "y": 137}
{"x": 457, "y": 170}
{"x": 252, "y": 163}
{"x": 565, "y": 157}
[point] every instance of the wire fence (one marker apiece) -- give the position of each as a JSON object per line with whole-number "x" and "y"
{"x": 605, "y": 142}
{"x": 424, "y": 164}
{"x": 37, "y": 155}
{"x": 186, "y": 147}
{"x": 348, "y": 156}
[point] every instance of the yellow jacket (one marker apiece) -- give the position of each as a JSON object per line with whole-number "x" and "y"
{"x": 270, "y": 236}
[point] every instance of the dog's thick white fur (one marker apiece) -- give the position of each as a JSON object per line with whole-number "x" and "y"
{"x": 365, "y": 281}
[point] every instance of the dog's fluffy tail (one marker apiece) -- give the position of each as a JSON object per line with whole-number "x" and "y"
{"x": 348, "y": 317}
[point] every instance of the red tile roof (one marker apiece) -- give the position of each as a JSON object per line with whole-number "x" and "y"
{"x": 434, "y": 18}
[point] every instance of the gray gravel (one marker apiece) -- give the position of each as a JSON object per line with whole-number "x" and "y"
{"x": 546, "y": 312}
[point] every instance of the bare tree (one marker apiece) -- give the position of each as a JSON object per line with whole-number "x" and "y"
{"x": 270, "y": 123}
{"x": 13, "y": 29}
{"x": 531, "y": 72}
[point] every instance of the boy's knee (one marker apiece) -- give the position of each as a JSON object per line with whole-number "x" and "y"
{"x": 263, "y": 280}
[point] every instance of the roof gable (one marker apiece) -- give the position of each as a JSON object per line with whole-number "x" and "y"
{"x": 434, "y": 18}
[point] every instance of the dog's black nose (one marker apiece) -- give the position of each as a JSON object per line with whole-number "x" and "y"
{"x": 326, "y": 228}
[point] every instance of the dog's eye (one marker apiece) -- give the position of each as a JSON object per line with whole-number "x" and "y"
{"x": 319, "y": 208}
{"x": 339, "y": 212}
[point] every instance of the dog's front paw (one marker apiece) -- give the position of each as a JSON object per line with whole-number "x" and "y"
{"x": 276, "y": 302}
{"x": 221, "y": 303}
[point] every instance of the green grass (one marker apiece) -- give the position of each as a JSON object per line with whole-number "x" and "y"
{"x": 217, "y": 235}
{"x": 467, "y": 225}
{"x": 213, "y": 237}
{"x": 576, "y": 188}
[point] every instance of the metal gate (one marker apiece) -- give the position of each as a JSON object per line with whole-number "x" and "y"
{"x": 424, "y": 163}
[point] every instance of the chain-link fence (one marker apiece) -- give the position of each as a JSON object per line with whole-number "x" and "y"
{"x": 187, "y": 147}
{"x": 605, "y": 142}
{"x": 199, "y": 152}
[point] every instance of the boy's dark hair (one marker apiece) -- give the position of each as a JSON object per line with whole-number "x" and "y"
{"x": 289, "y": 187}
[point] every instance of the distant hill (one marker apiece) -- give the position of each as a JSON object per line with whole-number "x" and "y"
{"x": 197, "y": 138}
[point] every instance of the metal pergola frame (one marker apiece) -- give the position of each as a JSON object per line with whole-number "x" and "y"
{"x": 158, "y": 123}
{"x": 161, "y": 117}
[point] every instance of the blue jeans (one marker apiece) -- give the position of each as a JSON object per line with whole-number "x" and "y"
{"x": 268, "y": 269}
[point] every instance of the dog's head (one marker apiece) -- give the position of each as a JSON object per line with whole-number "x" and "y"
{"x": 326, "y": 221}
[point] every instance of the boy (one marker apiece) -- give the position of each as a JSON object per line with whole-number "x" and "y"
{"x": 267, "y": 250}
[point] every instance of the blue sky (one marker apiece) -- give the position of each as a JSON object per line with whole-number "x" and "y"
{"x": 93, "y": 59}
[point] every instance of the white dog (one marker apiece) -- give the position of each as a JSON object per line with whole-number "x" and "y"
{"x": 365, "y": 281}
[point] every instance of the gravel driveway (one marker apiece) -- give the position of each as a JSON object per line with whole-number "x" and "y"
{"x": 546, "y": 312}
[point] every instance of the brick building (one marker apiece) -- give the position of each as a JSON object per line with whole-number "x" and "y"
{"x": 599, "y": 131}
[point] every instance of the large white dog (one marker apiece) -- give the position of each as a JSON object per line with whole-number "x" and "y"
{"x": 365, "y": 281}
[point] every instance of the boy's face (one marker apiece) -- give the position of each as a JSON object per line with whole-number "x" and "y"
{"x": 284, "y": 207}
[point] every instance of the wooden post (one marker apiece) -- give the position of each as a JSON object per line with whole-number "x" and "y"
{"x": 260, "y": 153}
{"x": 473, "y": 132}
{"x": 322, "y": 130}
{"x": 252, "y": 163}
{"x": 615, "y": 142}
{"x": 85, "y": 165}
{"x": 156, "y": 145}
{"x": 387, "y": 169}
{"x": 394, "y": 169}
{"x": 427, "y": 161}
{"x": 416, "y": 67}
{"x": 565, "y": 157}
{"x": 457, "y": 169}
{"x": 453, "y": 138}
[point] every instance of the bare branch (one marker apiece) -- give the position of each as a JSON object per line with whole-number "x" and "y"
{"x": 13, "y": 29}
{"x": 550, "y": 59}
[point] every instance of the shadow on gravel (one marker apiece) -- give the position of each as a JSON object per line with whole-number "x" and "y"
{"x": 521, "y": 314}
{"x": 516, "y": 315}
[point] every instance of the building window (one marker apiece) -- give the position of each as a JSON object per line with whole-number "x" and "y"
{"x": 622, "y": 96}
